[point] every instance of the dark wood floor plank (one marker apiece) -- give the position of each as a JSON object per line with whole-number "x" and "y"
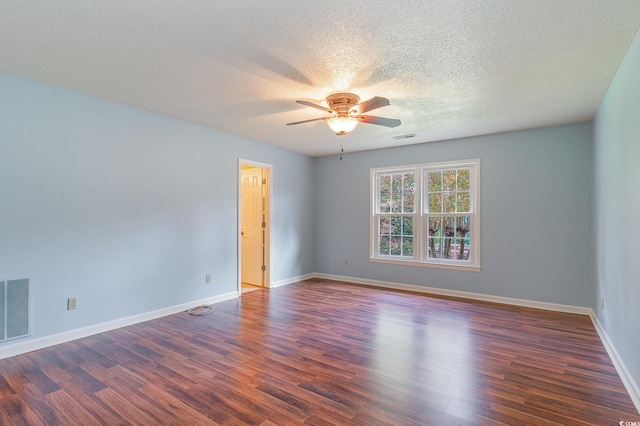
{"x": 312, "y": 398}
{"x": 5, "y": 388}
{"x": 184, "y": 413}
{"x": 37, "y": 402}
{"x": 94, "y": 405}
{"x": 252, "y": 400}
{"x": 119, "y": 402}
{"x": 209, "y": 403}
{"x": 38, "y": 378}
{"x": 14, "y": 411}
{"x": 144, "y": 402}
{"x": 326, "y": 353}
{"x": 70, "y": 411}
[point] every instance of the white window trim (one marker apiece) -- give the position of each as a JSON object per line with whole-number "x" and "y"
{"x": 420, "y": 243}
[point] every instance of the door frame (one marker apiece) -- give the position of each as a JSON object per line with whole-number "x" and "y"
{"x": 267, "y": 232}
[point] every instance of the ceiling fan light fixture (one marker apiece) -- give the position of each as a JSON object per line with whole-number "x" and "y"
{"x": 342, "y": 124}
{"x": 346, "y": 111}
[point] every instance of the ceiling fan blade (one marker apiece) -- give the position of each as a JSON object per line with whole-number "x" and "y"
{"x": 312, "y": 105}
{"x": 373, "y": 103}
{"x": 307, "y": 121}
{"x": 381, "y": 121}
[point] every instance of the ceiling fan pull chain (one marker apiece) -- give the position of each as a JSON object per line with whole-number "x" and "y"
{"x": 341, "y": 146}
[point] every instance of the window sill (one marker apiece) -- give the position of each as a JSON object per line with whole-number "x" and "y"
{"x": 470, "y": 268}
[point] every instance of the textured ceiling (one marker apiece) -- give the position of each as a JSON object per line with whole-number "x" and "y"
{"x": 450, "y": 68}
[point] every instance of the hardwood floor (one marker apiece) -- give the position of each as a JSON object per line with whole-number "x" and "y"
{"x": 322, "y": 353}
{"x": 246, "y": 287}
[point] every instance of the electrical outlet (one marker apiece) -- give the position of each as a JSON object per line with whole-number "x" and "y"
{"x": 72, "y": 303}
{"x": 207, "y": 279}
{"x": 346, "y": 262}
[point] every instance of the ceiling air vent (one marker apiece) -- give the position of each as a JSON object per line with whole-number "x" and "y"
{"x": 410, "y": 135}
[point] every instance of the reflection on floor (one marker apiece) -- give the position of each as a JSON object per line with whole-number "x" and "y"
{"x": 249, "y": 287}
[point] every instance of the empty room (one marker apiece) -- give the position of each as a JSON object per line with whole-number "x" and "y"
{"x": 321, "y": 213}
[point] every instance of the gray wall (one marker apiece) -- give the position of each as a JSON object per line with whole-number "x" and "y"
{"x": 128, "y": 210}
{"x": 535, "y": 214}
{"x": 617, "y": 211}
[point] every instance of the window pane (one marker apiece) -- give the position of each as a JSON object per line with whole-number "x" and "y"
{"x": 384, "y": 225}
{"x": 462, "y": 249}
{"x": 396, "y": 225}
{"x": 396, "y": 184}
{"x": 449, "y": 237}
{"x": 409, "y": 183}
{"x": 463, "y": 204}
{"x": 434, "y": 248}
{"x": 448, "y": 232}
{"x": 462, "y": 226}
{"x": 453, "y": 249}
{"x": 396, "y": 203}
{"x": 464, "y": 180}
{"x": 385, "y": 203}
{"x": 448, "y": 249}
{"x": 407, "y": 226}
{"x": 385, "y": 183}
{"x": 456, "y": 246}
{"x": 407, "y": 246}
{"x": 384, "y": 193}
{"x": 448, "y": 226}
{"x": 435, "y": 203}
{"x": 383, "y": 245}
{"x": 449, "y": 202}
{"x": 434, "y": 226}
{"x": 408, "y": 205}
{"x": 435, "y": 182}
{"x": 449, "y": 180}
{"x": 396, "y": 248}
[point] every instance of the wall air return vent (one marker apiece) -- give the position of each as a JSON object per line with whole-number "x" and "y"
{"x": 15, "y": 309}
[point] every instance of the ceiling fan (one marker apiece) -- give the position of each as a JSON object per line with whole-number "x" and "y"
{"x": 346, "y": 112}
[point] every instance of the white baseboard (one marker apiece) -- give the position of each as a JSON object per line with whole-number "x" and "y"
{"x": 44, "y": 342}
{"x": 292, "y": 280}
{"x": 462, "y": 294}
{"x": 621, "y": 368}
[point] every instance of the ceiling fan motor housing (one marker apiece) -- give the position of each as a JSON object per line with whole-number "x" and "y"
{"x": 342, "y": 103}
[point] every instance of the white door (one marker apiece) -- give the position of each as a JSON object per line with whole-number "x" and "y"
{"x": 251, "y": 227}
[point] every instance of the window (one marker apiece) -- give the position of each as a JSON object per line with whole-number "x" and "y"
{"x": 427, "y": 215}
{"x": 397, "y": 213}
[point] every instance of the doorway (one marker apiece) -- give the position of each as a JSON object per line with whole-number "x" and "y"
{"x": 253, "y": 219}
